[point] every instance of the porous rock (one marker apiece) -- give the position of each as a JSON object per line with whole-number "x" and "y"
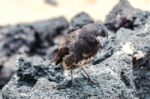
{"x": 114, "y": 77}
{"x": 136, "y": 44}
{"x": 32, "y": 70}
{"x": 119, "y": 71}
{"x": 78, "y": 21}
{"x": 29, "y": 39}
{"x": 107, "y": 84}
{"x": 124, "y": 15}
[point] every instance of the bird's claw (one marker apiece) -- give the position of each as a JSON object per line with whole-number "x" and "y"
{"x": 89, "y": 80}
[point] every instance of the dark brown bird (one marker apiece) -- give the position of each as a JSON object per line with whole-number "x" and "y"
{"x": 80, "y": 45}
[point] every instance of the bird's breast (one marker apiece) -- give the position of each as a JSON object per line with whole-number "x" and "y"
{"x": 70, "y": 67}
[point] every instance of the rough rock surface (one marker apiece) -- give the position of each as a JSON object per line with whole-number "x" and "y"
{"x": 35, "y": 39}
{"x": 78, "y": 21}
{"x": 120, "y": 71}
{"x": 114, "y": 77}
{"x": 1, "y": 95}
{"x": 29, "y": 39}
{"x": 35, "y": 68}
{"x": 108, "y": 83}
{"x": 124, "y": 15}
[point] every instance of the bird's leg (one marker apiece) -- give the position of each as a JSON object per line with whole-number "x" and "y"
{"x": 72, "y": 79}
{"x": 88, "y": 77}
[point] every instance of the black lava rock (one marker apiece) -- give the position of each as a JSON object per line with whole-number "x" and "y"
{"x": 36, "y": 37}
{"x": 78, "y": 21}
{"x": 120, "y": 71}
{"x": 124, "y": 15}
{"x": 29, "y": 39}
{"x": 31, "y": 70}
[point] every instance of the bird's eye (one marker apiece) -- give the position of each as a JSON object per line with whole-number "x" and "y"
{"x": 104, "y": 33}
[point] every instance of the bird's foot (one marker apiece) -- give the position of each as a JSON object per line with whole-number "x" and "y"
{"x": 72, "y": 81}
{"x": 88, "y": 77}
{"x": 89, "y": 80}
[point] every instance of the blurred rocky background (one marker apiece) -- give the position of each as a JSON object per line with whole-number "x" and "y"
{"x": 30, "y": 34}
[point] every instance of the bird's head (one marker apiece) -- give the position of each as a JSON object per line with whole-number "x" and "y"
{"x": 97, "y": 29}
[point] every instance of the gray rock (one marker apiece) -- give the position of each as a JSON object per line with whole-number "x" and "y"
{"x": 116, "y": 76}
{"x": 33, "y": 69}
{"x": 108, "y": 83}
{"x": 32, "y": 38}
{"x": 119, "y": 71}
{"x": 28, "y": 40}
{"x": 78, "y": 21}
{"x": 124, "y": 15}
{"x": 1, "y": 95}
{"x": 136, "y": 74}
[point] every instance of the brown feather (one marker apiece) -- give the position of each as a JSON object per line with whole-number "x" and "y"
{"x": 61, "y": 53}
{"x": 80, "y": 45}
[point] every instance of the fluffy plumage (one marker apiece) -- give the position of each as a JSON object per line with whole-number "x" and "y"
{"x": 80, "y": 45}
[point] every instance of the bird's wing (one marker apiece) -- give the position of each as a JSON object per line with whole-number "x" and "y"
{"x": 65, "y": 47}
{"x": 61, "y": 53}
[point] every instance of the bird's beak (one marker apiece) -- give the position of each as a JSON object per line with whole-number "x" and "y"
{"x": 100, "y": 40}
